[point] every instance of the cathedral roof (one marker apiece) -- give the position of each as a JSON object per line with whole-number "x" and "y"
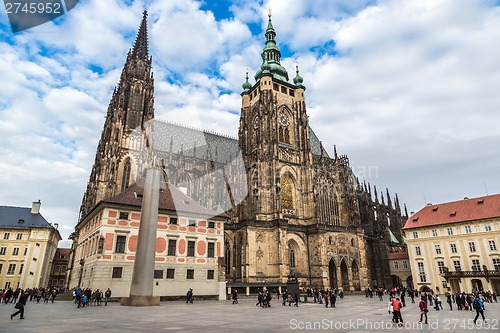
{"x": 192, "y": 142}
{"x": 11, "y": 217}
{"x": 457, "y": 211}
{"x": 171, "y": 199}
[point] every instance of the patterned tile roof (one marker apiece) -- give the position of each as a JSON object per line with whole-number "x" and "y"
{"x": 10, "y": 217}
{"x": 457, "y": 211}
{"x": 173, "y": 138}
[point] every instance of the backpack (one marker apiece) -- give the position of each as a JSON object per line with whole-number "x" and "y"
{"x": 475, "y": 304}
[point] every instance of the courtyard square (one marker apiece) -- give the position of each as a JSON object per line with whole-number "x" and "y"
{"x": 352, "y": 314}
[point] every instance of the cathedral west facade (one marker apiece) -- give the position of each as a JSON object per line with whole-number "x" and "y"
{"x": 292, "y": 210}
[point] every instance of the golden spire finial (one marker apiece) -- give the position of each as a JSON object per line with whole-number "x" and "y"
{"x": 269, "y": 12}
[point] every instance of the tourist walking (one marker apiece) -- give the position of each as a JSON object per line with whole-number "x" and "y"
{"x": 423, "y": 309}
{"x": 235, "y": 296}
{"x": 20, "y": 306}
{"x": 478, "y": 305}
{"x": 189, "y": 296}
{"x": 107, "y": 296}
{"x": 448, "y": 300}
{"x": 396, "y": 308}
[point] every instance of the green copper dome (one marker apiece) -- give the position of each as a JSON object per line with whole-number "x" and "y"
{"x": 247, "y": 85}
{"x": 298, "y": 79}
{"x": 271, "y": 57}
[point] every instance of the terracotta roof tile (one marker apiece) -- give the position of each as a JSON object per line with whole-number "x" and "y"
{"x": 456, "y": 211}
{"x": 397, "y": 255}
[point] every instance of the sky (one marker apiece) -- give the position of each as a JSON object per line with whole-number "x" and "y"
{"x": 407, "y": 89}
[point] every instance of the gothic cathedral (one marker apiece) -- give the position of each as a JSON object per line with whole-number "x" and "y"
{"x": 303, "y": 213}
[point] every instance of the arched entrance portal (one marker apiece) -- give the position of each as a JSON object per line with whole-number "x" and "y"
{"x": 332, "y": 270}
{"x": 355, "y": 276}
{"x": 344, "y": 275}
{"x": 409, "y": 282}
{"x": 477, "y": 285}
{"x": 396, "y": 281}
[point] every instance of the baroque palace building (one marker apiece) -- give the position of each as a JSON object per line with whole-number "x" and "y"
{"x": 292, "y": 209}
{"x": 455, "y": 245}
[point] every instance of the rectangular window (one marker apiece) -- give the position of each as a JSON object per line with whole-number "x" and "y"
{"x": 12, "y": 269}
{"x": 493, "y": 246}
{"x": 438, "y": 248}
{"x": 421, "y": 272}
{"x": 496, "y": 264}
{"x": 405, "y": 264}
{"x": 117, "y": 272}
{"x": 1, "y": 266}
{"x": 211, "y": 250}
{"x": 275, "y": 87}
{"x": 172, "y": 247}
{"x": 445, "y": 285}
{"x": 472, "y": 247}
{"x": 396, "y": 265}
{"x": 190, "y": 274}
{"x": 192, "y": 223}
{"x": 441, "y": 267}
{"x": 453, "y": 248}
{"x": 64, "y": 268}
{"x": 19, "y": 236}
{"x": 120, "y": 244}
{"x": 210, "y": 274}
{"x": 173, "y": 220}
{"x": 292, "y": 93}
{"x": 468, "y": 229}
{"x": 450, "y": 231}
{"x": 476, "y": 266}
{"x": 211, "y": 224}
{"x": 3, "y": 250}
{"x": 417, "y": 250}
{"x": 456, "y": 264}
{"x": 15, "y": 252}
{"x": 158, "y": 274}
{"x": 434, "y": 233}
{"x": 170, "y": 273}
{"x": 415, "y": 234}
{"x": 25, "y": 250}
{"x": 487, "y": 227}
{"x": 21, "y": 269}
{"x": 123, "y": 216}
{"x": 190, "y": 251}
{"x": 283, "y": 90}
{"x": 6, "y": 235}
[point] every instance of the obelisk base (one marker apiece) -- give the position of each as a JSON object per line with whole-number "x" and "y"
{"x": 141, "y": 301}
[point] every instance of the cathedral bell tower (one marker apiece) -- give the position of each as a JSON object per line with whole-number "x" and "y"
{"x": 274, "y": 136}
{"x": 131, "y": 105}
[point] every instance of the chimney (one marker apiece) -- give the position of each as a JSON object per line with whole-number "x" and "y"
{"x": 35, "y": 207}
{"x": 56, "y": 225}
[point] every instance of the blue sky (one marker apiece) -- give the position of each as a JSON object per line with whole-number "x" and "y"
{"x": 408, "y": 89}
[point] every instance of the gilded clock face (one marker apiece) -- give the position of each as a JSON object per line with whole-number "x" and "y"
{"x": 256, "y": 123}
{"x": 284, "y": 120}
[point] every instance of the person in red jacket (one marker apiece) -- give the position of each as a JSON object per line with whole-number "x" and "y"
{"x": 423, "y": 309}
{"x": 396, "y": 310}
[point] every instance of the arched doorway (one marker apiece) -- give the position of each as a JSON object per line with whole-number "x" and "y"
{"x": 344, "y": 275}
{"x": 355, "y": 276}
{"x": 332, "y": 270}
{"x": 425, "y": 289}
{"x": 396, "y": 281}
{"x": 477, "y": 285}
{"x": 409, "y": 282}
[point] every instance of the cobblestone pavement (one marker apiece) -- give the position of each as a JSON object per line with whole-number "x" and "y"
{"x": 353, "y": 314}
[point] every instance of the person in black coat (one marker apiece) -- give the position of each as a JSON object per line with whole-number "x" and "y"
{"x": 20, "y": 306}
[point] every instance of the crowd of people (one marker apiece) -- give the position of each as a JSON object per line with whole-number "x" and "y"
{"x": 86, "y": 297}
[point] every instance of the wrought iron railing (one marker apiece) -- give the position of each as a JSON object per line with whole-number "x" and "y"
{"x": 478, "y": 273}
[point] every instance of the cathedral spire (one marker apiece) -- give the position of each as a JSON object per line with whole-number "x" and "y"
{"x": 140, "y": 49}
{"x": 271, "y": 56}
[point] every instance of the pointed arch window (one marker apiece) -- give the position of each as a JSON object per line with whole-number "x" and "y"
{"x": 126, "y": 175}
{"x": 287, "y": 193}
{"x": 292, "y": 257}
